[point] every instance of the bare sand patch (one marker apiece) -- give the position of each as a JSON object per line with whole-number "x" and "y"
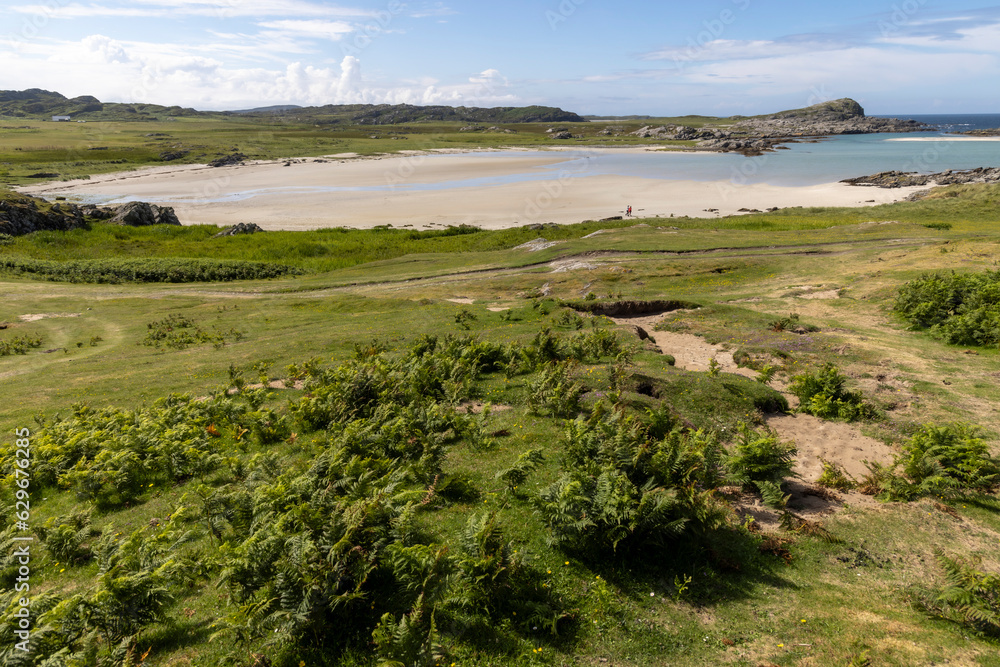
{"x": 822, "y": 295}
{"x": 573, "y": 265}
{"x": 34, "y": 317}
{"x": 690, "y": 352}
{"x": 837, "y": 442}
{"x": 536, "y": 244}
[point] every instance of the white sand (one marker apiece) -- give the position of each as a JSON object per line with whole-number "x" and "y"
{"x": 295, "y": 197}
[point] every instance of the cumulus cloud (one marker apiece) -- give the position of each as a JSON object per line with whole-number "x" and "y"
{"x": 133, "y": 71}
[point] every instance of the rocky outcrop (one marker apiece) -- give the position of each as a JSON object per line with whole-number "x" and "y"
{"x": 757, "y": 135}
{"x": 228, "y": 160}
{"x": 240, "y": 228}
{"x": 20, "y": 214}
{"x": 901, "y": 179}
{"x": 24, "y": 215}
{"x": 141, "y": 214}
{"x": 992, "y": 132}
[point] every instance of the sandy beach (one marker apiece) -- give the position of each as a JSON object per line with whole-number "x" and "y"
{"x": 423, "y": 191}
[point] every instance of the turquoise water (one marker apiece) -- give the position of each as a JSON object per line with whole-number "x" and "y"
{"x": 825, "y": 161}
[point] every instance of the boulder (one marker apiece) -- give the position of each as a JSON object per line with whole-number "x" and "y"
{"x": 141, "y": 214}
{"x": 240, "y": 228}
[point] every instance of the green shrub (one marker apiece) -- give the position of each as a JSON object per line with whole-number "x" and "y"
{"x": 760, "y": 457}
{"x": 555, "y": 392}
{"x": 941, "y": 460}
{"x": 517, "y": 474}
{"x": 64, "y": 537}
{"x": 19, "y": 345}
{"x": 145, "y": 270}
{"x": 969, "y": 597}
{"x": 961, "y": 309}
{"x": 834, "y": 477}
{"x": 824, "y": 395}
{"x": 619, "y": 492}
{"x": 179, "y": 332}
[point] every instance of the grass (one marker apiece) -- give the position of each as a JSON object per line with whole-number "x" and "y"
{"x": 391, "y": 286}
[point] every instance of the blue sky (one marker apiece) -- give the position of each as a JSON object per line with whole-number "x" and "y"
{"x": 717, "y": 57}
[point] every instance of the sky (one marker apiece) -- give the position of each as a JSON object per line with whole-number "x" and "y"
{"x": 712, "y": 57}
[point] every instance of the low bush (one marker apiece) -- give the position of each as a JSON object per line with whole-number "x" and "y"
{"x": 969, "y": 596}
{"x": 758, "y": 456}
{"x": 145, "y": 270}
{"x": 824, "y": 395}
{"x": 941, "y": 461}
{"x": 959, "y": 308}
{"x": 19, "y": 344}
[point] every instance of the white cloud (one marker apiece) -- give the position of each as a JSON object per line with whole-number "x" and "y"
{"x": 315, "y": 28}
{"x": 133, "y": 71}
{"x": 732, "y": 49}
{"x": 976, "y": 39}
{"x": 430, "y": 10}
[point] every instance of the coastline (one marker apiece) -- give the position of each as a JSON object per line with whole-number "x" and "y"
{"x": 402, "y": 191}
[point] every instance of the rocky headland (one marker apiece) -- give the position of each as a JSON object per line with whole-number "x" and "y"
{"x": 758, "y": 134}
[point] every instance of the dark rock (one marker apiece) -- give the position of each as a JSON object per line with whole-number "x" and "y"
{"x": 562, "y": 135}
{"x": 640, "y": 332}
{"x": 614, "y": 217}
{"x": 21, "y": 215}
{"x": 992, "y": 132}
{"x": 167, "y": 156}
{"x": 228, "y": 160}
{"x": 98, "y": 212}
{"x": 240, "y": 228}
{"x": 141, "y": 214}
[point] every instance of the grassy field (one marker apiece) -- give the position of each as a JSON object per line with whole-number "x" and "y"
{"x": 859, "y": 592}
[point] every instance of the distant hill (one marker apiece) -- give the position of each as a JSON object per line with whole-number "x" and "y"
{"x": 395, "y": 114}
{"x": 38, "y": 103}
{"x": 43, "y": 104}
{"x": 277, "y": 108}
